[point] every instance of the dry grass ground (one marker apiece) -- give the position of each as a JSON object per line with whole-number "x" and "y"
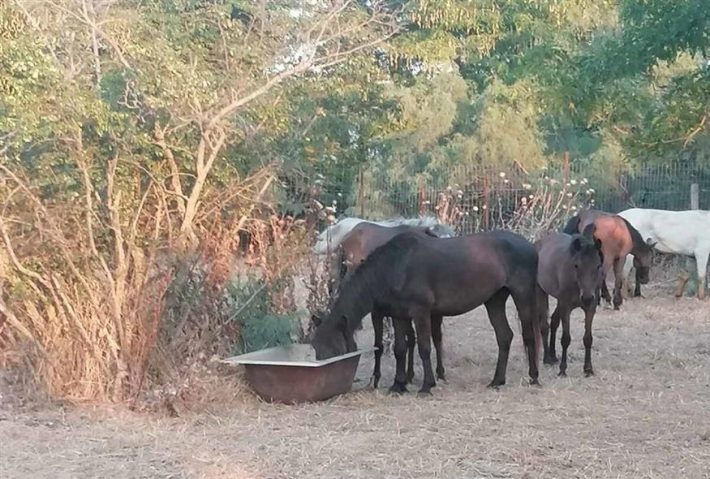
{"x": 646, "y": 414}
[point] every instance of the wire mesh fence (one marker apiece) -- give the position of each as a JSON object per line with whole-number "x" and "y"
{"x": 479, "y": 198}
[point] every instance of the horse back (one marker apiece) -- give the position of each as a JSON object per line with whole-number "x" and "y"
{"x": 555, "y": 268}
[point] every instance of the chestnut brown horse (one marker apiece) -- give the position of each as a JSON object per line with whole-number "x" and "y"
{"x": 618, "y": 239}
{"x": 354, "y": 248}
{"x": 420, "y": 277}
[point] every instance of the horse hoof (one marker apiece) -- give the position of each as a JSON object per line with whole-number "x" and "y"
{"x": 495, "y": 384}
{"x": 441, "y": 376}
{"x": 397, "y": 388}
{"x": 410, "y": 378}
{"x": 562, "y": 374}
{"x": 588, "y": 373}
{"x": 551, "y": 360}
{"x": 535, "y": 382}
{"x": 424, "y": 392}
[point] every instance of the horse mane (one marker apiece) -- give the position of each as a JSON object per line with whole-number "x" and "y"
{"x": 377, "y": 274}
{"x": 636, "y": 237}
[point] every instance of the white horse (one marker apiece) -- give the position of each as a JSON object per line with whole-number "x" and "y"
{"x": 679, "y": 232}
{"x": 329, "y": 239}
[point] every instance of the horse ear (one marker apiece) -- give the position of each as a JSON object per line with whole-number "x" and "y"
{"x": 598, "y": 244}
{"x": 576, "y": 244}
{"x": 650, "y": 242}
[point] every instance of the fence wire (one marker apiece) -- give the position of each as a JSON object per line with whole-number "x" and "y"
{"x": 480, "y": 197}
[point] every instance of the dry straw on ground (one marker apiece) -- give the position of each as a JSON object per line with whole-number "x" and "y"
{"x": 646, "y": 414}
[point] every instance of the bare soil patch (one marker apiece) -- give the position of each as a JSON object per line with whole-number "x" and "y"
{"x": 646, "y": 414}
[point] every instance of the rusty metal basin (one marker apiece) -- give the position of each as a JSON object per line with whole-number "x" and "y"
{"x": 291, "y": 374}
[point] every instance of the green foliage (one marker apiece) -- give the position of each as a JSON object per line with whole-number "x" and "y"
{"x": 266, "y": 331}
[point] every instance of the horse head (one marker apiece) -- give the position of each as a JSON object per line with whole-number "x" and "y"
{"x": 588, "y": 271}
{"x": 330, "y": 337}
{"x": 643, "y": 258}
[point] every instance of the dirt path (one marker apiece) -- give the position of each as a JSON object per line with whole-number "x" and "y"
{"x": 646, "y": 414}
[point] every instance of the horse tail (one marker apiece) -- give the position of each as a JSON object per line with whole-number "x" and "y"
{"x": 537, "y": 320}
{"x": 572, "y": 225}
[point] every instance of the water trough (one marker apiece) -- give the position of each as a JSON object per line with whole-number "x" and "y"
{"x": 291, "y": 374}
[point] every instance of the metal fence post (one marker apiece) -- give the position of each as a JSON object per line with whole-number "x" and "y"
{"x": 695, "y": 196}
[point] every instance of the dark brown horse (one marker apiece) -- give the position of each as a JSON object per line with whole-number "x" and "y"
{"x": 570, "y": 270}
{"x": 618, "y": 239}
{"x": 357, "y": 245}
{"x": 420, "y": 277}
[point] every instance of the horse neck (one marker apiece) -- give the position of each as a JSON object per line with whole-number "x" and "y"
{"x": 354, "y": 301}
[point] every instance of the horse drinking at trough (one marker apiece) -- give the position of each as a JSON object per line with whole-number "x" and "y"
{"x": 677, "y": 232}
{"x": 570, "y": 270}
{"x": 420, "y": 277}
{"x": 618, "y": 239}
{"x": 357, "y": 245}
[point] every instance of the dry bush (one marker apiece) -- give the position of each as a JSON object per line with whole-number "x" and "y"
{"x": 85, "y": 285}
{"x": 547, "y": 206}
{"x": 449, "y": 208}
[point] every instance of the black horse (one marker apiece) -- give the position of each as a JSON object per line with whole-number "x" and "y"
{"x": 355, "y": 247}
{"x": 419, "y": 277}
{"x": 571, "y": 270}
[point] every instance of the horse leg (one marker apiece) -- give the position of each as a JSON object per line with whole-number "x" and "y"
{"x": 436, "y": 334}
{"x": 566, "y": 339}
{"x": 605, "y": 292}
{"x": 588, "y": 318}
{"x": 618, "y": 273}
{"x": 400, "y": 352}
{"x": 504, "y": 335}
{"x": 422, "y": 323}
{"x": 543, "y": 310}
{"x": 526, "y": 304}
{"x": 701, "y": 260}
{"x": 555, "y": 323}
{"x": 377, "y": 326}
{"x": 628, "y": 266}
{"x": 683, "y": 279}
{"x": 411, "y": 341}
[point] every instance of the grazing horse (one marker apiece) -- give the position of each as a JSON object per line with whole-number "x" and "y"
{"x": 329, "y": 239}
{"x": 570, "y": 270}
{"x": 678, "y": 232}
{"x": 618, "y": 239}
{"x": 357, "y": 245}
{"x": 420, "y": 277}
